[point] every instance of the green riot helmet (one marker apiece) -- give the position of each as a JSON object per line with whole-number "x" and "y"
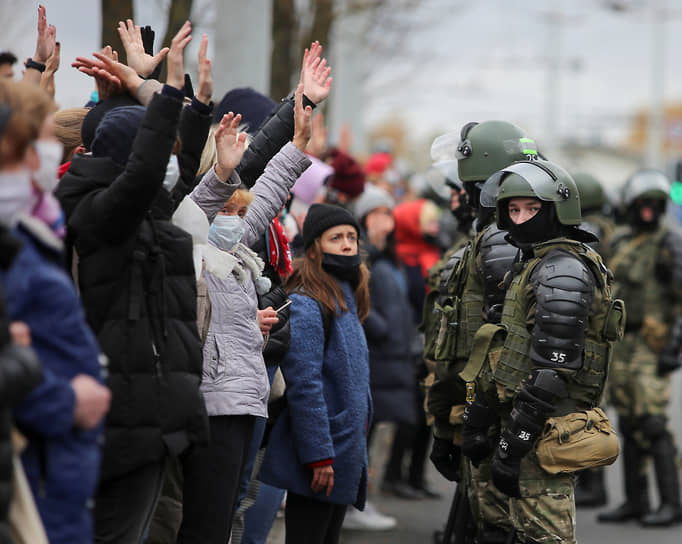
{"x": 648, "y": 183}
{"x": 539, "y": 179}
{"x": 592, "y": 195}
{"x": 482, "y": 149}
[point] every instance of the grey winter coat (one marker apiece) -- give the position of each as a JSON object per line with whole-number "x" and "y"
{"x": 234, "y": 380}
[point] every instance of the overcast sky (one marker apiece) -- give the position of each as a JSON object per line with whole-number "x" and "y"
{"x": 460, "y": 61}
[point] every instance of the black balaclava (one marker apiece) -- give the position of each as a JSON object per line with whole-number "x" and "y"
{"x": 634, "y": 214}
{"x": 543, "y": 226}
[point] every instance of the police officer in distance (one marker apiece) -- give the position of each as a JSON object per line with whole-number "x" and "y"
{"x": 647, "y": 264}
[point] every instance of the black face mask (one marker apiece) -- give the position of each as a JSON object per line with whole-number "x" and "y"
{"x": 635, "y": 215}
{"x": 542, "y": 226}
{"x": 342, "y": 267}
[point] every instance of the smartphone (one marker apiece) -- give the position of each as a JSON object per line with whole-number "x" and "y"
{"x": 283, "y": 306}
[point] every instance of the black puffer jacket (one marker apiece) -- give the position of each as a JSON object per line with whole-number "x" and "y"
{"x": 19, "y": 374}
{"x": 137, "y": 282}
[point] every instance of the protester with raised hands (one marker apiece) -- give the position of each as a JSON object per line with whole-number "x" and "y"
{"x": 136, "y": 277}
{"x": 235, "y": 382}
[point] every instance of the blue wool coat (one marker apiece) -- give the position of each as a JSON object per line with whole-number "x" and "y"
{"x": 329, "y": 405}
{"x": 61, "y": 462}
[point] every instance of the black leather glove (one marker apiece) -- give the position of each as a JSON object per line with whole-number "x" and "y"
{"x": 668, "y": 361}
{"x": 446, "y": 457}
{"x": 476, "y": 443}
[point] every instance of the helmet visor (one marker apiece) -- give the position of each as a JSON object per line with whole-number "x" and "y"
{"x": 651, "y": 182}
{"x": 542, "y": 184}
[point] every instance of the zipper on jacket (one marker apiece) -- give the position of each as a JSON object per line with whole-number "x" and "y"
{"x": 157, "y": 360}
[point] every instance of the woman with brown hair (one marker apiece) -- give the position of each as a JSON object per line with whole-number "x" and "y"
{"x": 318, "y": 446}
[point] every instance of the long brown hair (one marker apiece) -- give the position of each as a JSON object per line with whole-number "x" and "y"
{"x": 310, "y": 278}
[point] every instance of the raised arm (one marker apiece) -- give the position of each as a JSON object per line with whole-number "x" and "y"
{"x": 272, "y": 188}
{"x": 278, "y": 129}
{"x": 47, "y": 37}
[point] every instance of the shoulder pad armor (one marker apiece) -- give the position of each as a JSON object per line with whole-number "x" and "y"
{"x": 564, "y": 290}
{"x": 495, "y": 258}
{"x": 449, "y": 268}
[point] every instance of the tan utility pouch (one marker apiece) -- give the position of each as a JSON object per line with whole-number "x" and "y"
{"x": 577, "y": 441}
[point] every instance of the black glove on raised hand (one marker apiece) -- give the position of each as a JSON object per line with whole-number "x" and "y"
{"x": 668, "y": 361}
{"x": 446, "y": 457}
{"x": 476, "y": 443}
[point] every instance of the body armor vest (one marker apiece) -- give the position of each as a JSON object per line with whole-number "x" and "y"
{"x": 634, "y": 268}
{"x": 606, "y": 320}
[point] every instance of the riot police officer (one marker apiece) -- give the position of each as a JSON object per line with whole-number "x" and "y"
{"x": 558, "y": 322}
{"x": 647, "y": 264}
{"x": 469, "y": 296}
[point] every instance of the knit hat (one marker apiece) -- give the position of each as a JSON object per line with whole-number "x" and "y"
{"x": 348, "y": 175}
{"x": 322, "y": 217}
{"x": 115, "y": 135}
{"x": 253, "y": 106}
{"x": 94, "y": 117}
{"x": 378, "y": 163}
{"x": 371, "y": 198}
{"x": 310, "y": 181}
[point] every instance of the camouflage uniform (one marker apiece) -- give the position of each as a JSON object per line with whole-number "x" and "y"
{"x": 529, "y": 369}
{"x": 460, "y": 309}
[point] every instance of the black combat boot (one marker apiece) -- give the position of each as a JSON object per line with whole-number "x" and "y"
{"x": 636, "y": 503}
{"x": 590, "y": 491}
{"x": 669, "y": 512}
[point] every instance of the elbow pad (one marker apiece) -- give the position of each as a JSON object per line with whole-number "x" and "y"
{"x": 564, "y": 290}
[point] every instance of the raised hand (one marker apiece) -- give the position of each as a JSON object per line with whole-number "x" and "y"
{"x": 302, "y": 120}
{"x": 51, "y": 67}
{"x": 175, "y": 60}
{"x": 138, "y": 59}
{"x": 229, "y": 143}
{"x": 111, "y": 76}
{"x": 318, "y": 139}
{"x": 315, "y": 74}
{"x": 47, "y": 37}
{"x": 205, "y": 85}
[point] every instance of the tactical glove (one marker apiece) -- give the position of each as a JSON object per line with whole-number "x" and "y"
{"x": 506, "y": 464}
{"x": 668, "y": 361}
{"x": 476, "y": 444}
{"x": 446, "y": 457}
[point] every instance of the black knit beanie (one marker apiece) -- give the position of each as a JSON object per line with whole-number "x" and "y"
{"x": 321, "y": 217}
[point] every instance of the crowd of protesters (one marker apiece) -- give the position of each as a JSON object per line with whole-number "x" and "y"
{"x": 206, "y": 309}
{"x": 191, "y": 336}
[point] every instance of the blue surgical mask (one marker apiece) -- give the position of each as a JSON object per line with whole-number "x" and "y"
{"x": 226, "y": 231}
{"x": 172, "y": 173}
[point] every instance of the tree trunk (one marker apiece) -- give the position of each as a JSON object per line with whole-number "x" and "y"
{"x": 114, "y": 11}
{"x": 284, "y": 31}
{"x": 322, "y": 22}
{"x": 178, "y": 13}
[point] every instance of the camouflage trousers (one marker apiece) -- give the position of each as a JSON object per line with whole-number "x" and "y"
{"x": 634, "y": 388}
{"x": 545, "y": 512}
